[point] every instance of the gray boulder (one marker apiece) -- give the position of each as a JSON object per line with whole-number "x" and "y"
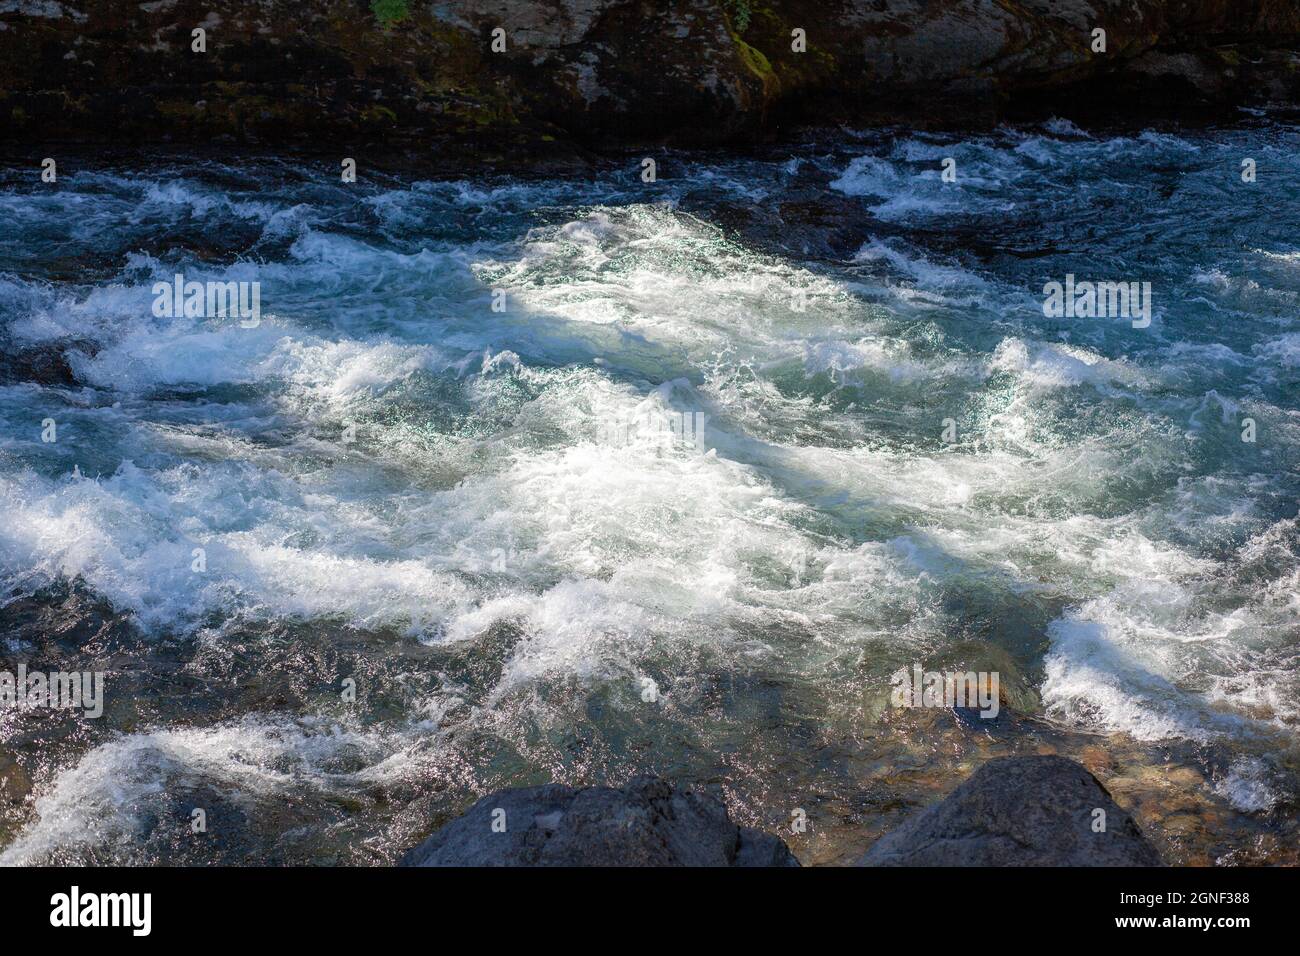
{"x": 1018, "y": 811}
{"x": 648, "y": 822}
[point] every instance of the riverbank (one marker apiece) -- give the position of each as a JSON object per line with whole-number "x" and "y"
{"x": 569, "y": 78}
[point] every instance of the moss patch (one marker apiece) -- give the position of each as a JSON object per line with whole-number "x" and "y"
{"x": 389, "y": 12}
{"x": 378, "y": 115}
{"x": 754, "y": 59}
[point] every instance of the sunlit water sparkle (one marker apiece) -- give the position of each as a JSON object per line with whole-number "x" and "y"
{"x": 499, "y": 576}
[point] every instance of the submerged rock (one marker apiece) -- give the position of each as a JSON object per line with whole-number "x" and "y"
{"x": 648, "y": 822}
{"x": 43, "y": 366}
{"x": 1019, "y": 811}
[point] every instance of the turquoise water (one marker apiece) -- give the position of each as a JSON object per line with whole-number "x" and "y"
{"x": 901, "y": 460}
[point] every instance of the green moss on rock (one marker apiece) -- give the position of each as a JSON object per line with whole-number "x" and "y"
{"x": 389, "y": 12}
{"x": 754, "y": 59}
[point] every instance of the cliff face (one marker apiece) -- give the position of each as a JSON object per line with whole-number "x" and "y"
{"x": 613, "y": 72}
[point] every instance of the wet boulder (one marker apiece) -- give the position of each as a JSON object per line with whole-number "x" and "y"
{"x": 1019, "y": 811}
{"x": 648, "y": 822}
{"x": 43, "y": 366}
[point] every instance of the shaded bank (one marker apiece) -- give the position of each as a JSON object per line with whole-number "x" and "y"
{"x": 579, "y": 74}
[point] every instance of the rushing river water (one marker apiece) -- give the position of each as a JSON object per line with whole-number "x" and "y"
{"x": 439, "y": 555}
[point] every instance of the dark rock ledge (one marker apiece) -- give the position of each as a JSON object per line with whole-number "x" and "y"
{"x": 578, "y": 75}
{"x": 648, "y": 822}
{"x": 1014, "y": 811}
{"x": 1018, "y": 811}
